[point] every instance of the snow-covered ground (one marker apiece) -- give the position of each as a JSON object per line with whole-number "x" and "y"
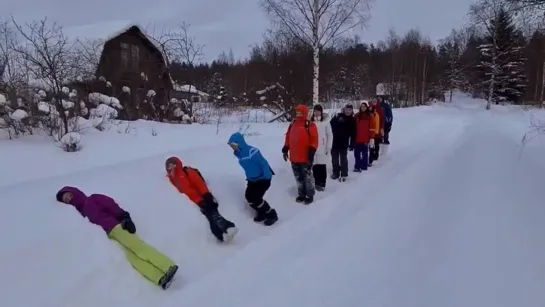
{"x": 452, "y": 217}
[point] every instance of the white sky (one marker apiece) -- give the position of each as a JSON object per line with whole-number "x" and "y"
{"x": 224, "y": 24}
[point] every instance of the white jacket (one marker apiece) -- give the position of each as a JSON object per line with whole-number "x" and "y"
{"x": 325, "y": 140}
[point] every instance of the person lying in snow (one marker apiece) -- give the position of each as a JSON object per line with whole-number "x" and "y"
{"x": 189, "y": 181}
{"x": 103, "y": 211}
{"x": 258, "y": 175}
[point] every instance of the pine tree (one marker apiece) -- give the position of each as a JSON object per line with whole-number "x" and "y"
{"x": 503, "y": 61}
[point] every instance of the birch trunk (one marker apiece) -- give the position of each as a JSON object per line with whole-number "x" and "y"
{"x": 316, "y": 54}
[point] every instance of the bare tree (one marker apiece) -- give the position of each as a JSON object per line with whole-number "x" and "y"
{"x": 318, "y": 23}
{"x": 50, "y": 59}
{"x": 88, "y": 52}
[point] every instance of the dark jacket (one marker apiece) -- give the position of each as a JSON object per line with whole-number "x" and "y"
{"x": 344, "y": 131}
{"x": 388, "y": 115}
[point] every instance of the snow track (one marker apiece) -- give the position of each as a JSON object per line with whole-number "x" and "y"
{"x": 451, "y": 217}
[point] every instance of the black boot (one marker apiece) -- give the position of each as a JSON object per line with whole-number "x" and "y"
{"x": 264, "y": 213}
{"x": 300, "y": 199}
{"x": 166, "y": 280}
{"x": 223, "y": 229}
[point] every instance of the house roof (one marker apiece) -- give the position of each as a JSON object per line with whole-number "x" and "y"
{"x": 148, "y": 39}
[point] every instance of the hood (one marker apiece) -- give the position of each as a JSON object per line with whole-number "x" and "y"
{"x": 325, "y": 116}
{"x": 176, "y": 161}
{"x": 303, "y": 109}
{"x": 239, "y": 139}
{"x": 78, "y": 197}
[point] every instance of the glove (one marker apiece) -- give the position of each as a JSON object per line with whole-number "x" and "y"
{"x": 372, "y": 143}
{"x": 127, "y": 223}
{"x": 209, "y": 198}
{"x": 311, "y": 153}
{"x": 285, "y": 151}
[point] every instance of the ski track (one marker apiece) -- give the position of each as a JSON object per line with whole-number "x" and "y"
{"x": 450, "y": 218}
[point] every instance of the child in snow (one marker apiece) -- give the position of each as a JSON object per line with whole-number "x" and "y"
{"x": 366, "y": 125}
{"x": 378, "y": 113}
{"x": 258, "y": 175}
{"x": 325, "y": 140}
{"x": 190, "y": 182}
{"x": 343, "y": 126}
{"x": 301, "y": 143}
{"x": 103, "y": 211}
{"x": 388, "y": 120}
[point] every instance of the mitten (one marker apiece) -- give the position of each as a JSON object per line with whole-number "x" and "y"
{"x": 128, "y": 224}
{"x": 311, "y": 154}
{"x": 285, "y": 151}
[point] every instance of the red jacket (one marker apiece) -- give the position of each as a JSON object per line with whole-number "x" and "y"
{"x": 365, "y": 126}
{"x": 299, "y": 139}
{"x": 188, "y": 181}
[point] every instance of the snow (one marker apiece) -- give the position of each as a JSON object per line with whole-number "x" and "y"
{"x": 105, "y": 99}
{"x": 452, "y": 217}
{"x": 71, "y": 138}
{"x": 126, "y": 89}
{"x": 3, "y": 100}
{"x": 18, "y": 114}
{"x": 104, "y": 110}
{"x": 188, "y": 89}
{"x": 67, "y": 104}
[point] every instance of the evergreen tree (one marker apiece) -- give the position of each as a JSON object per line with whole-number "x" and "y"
{"x": 502, "y": 61}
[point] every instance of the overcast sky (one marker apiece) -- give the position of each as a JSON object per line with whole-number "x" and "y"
{"x": 224, "y": 24}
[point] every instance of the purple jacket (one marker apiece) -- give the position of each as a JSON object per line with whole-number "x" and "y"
{"x": 100, "y": 209}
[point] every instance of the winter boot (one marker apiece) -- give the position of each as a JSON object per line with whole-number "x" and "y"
{"x": 265, "y": 214}
{"x": 319, "y": 188}
{"x": 271, "y": 218}
{"x": 300, "y": 199}
{"x": 342, "y": 179}
{"x": 357, "y": 170}
{"x": 335, "y": 177}
{"x": 309, "y": 200}
{"x": 167, "y": 279}
{"x": 224, "y": 230}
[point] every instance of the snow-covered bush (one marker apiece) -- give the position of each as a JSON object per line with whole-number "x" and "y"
{"x": 71, "y": 142}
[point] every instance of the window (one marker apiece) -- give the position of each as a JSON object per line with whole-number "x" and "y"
{"x": 195, "y": 99}
{"x": 135, "y": 57}
{"x": 125, "y": 55}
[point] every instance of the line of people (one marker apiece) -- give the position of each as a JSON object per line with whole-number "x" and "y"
{"x": 311, "y": 141}
{"x": 308, "y": 144}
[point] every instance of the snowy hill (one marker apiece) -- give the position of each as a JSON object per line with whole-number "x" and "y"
{"x": 452, "y": 217}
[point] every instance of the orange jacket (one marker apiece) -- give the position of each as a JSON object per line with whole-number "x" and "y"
{"x": 375, "y": 124}
{"x": 188, "y": 181}
{"x": 299, "y": 138}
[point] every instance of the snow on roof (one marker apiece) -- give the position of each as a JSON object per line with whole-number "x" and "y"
{"x": 188, "y": 88}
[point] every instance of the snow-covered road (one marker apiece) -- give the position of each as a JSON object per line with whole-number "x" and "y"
{"x": 452, "y": 217}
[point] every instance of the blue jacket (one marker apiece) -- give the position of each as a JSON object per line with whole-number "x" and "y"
{"x": 388, "y": 115}
{"x": 250, "y": 158}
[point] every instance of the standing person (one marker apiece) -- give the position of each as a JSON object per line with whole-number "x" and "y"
{"x": 301, "y": 144}
{"x": 325, "y": 140}
{"x": 365, "y": 132}
{"x": 103, "y": 211}
{"x": 343, "y": 126}
{"x": 189, "y": 181}
{"x": 258, "y": 175}
{"x": 388, "y": 120}
{"x": 378, "y": 113}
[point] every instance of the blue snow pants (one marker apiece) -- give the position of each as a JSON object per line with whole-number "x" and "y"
{"x": 361, "y": 156}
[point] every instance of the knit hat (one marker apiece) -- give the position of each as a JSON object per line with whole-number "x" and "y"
{"x": 349, "y": 106}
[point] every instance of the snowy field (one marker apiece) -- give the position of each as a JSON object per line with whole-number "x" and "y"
{"x": 453, "y": 217}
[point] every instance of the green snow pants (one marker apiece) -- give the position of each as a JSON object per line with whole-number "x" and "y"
{"x": 149, "y": 262}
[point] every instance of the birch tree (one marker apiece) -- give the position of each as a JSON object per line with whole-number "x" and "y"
{"x": 317, "y": 23}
